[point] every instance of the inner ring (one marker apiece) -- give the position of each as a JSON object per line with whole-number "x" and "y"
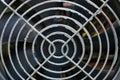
{"x": 57, "y": 48}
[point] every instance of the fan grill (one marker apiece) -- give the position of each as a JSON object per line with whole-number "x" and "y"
{"x": 59, "y": 45}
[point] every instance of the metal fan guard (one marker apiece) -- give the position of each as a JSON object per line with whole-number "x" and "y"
{"x": 58, "y": 43}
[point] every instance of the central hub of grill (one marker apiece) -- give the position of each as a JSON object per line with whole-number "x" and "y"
{"x": 61, "y": 44}
{"x": 57, "y": 49}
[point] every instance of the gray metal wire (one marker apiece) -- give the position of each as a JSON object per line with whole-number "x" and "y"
{"x": 65, "y": 43}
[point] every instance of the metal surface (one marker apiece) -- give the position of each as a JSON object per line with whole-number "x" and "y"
{"x": 57, "y": 50}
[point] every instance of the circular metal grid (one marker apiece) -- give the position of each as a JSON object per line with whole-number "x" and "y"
{"x": 65, "y": 47}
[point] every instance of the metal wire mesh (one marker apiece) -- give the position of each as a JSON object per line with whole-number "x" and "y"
{"x": 40, "y": 39}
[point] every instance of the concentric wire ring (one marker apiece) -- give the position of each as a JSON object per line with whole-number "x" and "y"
{"x": 59, "y": 48}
